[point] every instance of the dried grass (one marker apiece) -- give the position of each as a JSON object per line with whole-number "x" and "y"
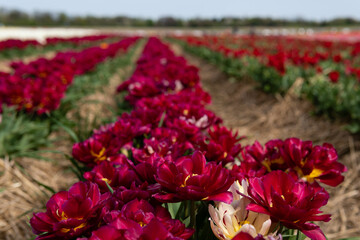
{"x": 21, "y": 194}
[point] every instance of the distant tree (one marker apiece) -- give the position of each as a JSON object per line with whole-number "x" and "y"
{"x": 169, "y": 22}
{"x": 62, "y": 19}
{"x": 149, "y": 23}
{"x": 44, "y": 19}
{"x": 19, "y": 18}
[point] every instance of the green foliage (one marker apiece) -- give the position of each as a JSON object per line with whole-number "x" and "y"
{"x": 292, "y": 234}
{"x": 185, "y": 210}
{"x": 19, "y": 133}
{"x": 336, "y": 100}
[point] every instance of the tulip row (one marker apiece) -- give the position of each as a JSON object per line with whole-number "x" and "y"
{"x": 78, "y": 40}
{"x": 280, "y": 52}
{"x": 40, "y": 85}
{"x": 160, "y": 165}
{"x": 329, "y": 69}
{"x": 20, "y": 48}
{"x": 21, "y": 44}
{"x": 15, "y": 43}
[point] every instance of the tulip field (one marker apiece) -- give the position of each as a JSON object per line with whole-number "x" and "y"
{"x": 328, "y": 71}
{"x": 145, "y": 137}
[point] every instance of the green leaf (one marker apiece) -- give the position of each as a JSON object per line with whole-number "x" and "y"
{"x": 174, "y": 208}
{"x": 161, "y": 122}
{"x": 109, "y": 187}
{"x": 67, "y": 129}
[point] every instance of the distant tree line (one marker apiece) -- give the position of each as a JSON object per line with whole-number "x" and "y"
{"x": 20, "y": 18}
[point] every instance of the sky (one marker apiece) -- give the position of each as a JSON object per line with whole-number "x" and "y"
{"x": 290, "y": 9}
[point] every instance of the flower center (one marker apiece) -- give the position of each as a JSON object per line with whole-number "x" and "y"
{"x": 187, "y": 178}
{"x": 63, "y": 216}
{"x": 310, "y": 177}
{"x": 267, "y": 163}
{"x": 237, "y": 228}
{"x": 106, "y": 180}
{"x": 65, "y": 230}
{"x": 99, "y": 157}
{"x": 314, "y": 174}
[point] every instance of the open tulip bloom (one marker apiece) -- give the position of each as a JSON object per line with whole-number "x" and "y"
{"x": 169, "y": 170}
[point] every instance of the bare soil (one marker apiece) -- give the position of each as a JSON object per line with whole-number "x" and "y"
{"x": 5, "y": 64}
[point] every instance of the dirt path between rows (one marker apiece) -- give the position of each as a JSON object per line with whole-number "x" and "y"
{"x": 262, "y": 117}
{"x": 20, "y": 192}
{"x": 5, "y": 64}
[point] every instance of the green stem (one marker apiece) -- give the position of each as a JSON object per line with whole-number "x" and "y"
{"x": 298, "y": 234}
{"x": 280, "y": 228}
{"x": 192, "y": 214}
{"x": 181, "y": 209}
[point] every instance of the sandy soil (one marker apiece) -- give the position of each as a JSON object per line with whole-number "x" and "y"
{"x": 41, "y": 33}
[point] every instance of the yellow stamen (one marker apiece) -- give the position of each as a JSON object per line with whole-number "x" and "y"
{"x": 16, "y": 100}
{"x": 187, "y": 178}
{"x": 237, "y": 227}
{"x": 43, "y": 74}
{"x": 99, "y": 157}
{"x": 106, "y": 180}
{"x": 62, "y": 216}
{"x": 80, "y": 226}
{"x": 314, "y": 174}
{"x": 28, "y": 105}
{"x": 65, "y": 230}
{"x": 63, "y": 79}
{"x": 309, "y": 178}
{"x": 267, "y": 163}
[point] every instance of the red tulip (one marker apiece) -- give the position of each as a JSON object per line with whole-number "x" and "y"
{"x": 294, "y": 204}
{"x": 309, "y": 163}
{"x": 96, "y": 149}
{"x": 334, "y": 76}
{"x": 114, "y": 175}
{"x": 221, "y": 146}
{"x": 138, "y": 219}
{"x": 258, "y": 160}
{"x": 70, "y": 213}
{"x": 190, "y": 178}
{"x": 314, "y": 162}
